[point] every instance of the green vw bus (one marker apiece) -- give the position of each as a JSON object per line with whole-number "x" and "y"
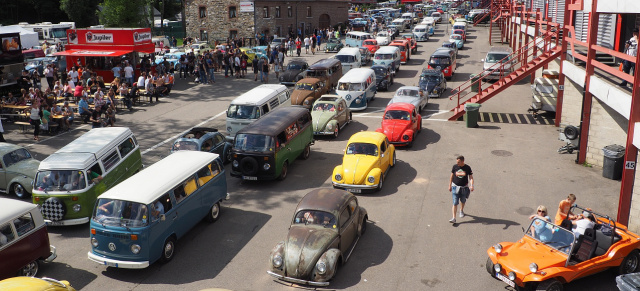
{"x": 69, "y": 181}
{"x": 264, "y": 149}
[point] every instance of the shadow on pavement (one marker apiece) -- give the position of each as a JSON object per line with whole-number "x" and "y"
{"x": 484, "y": 220}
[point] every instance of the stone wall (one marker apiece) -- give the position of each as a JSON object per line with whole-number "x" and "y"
{"x": 571, "y": 104}
{"x": 607, "y": 127}
{"x": 217, "y": 22}
{"x": 634, "y": 213}
{"x": 322, "y": 13}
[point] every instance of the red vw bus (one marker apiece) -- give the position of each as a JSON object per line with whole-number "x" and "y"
{"x": 405, "y": 49}
{"x": 443, "y": 59}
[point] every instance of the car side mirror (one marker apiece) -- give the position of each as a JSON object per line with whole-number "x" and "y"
{"x": 162, "y": 217}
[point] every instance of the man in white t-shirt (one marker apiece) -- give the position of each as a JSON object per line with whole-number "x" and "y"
{"x": 128, "y": 73}
{"x": 306, "y": 44}
{"x": 73, "y": 74}
{"x": 580, "y": 225}
{"x": 631, "y": 49}
{"x": 141, "y": 81}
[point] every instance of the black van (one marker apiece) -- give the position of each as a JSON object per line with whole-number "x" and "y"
{"x": 264, "y": 149}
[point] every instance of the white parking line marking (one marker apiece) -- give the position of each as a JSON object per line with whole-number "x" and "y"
{"x": 179, "y": 134}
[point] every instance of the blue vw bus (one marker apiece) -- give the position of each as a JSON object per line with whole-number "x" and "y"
{"x": 136, "y": 222}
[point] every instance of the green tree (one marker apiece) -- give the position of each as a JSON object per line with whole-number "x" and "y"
{"x": 122, "y": 13}
{"x": 170, "y": 9}
{"x": 83, "y": 12}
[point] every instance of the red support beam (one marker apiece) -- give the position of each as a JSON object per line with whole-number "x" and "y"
{"x": 592, "y": 36}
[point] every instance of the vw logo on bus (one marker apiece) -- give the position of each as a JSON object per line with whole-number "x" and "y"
{"x": 112, "y": 246}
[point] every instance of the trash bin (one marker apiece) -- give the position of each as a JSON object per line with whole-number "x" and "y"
{"x": 472, "y": 112}
{"x": 474, "y": 85}
{"x": 613, "y": 162}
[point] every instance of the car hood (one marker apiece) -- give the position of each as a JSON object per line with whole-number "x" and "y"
{"x": 27, "y": 167}
{"x": 428, "y": 86}
{"x": 320, "y": 119}
{"x": 394, "y": 128}
{"x": 298, "y": 96}
{"x": 518, "y": 256}
{"x": 406, "y": 99}
{"x": 356, "y": 167}
{"x": 290, "y": 75}
{"x": 304, "y": 245}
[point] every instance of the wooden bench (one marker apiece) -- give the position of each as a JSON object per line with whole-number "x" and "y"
{"x": 53, "y": 127}
{"x": 23, "y": 125}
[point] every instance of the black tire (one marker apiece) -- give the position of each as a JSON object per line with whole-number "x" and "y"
{"x": 550, "y": 285}
{"x": 410, "y": 144}
{"x": 420, "y": 126}
{"x": 214, "y": 213}
{"x": 30, "y": 270}
{"x": 362, "y": 228}
{"x": 306, "y": 152}
{"x": 380, "y": 183}
{"x": 19, "y": 191}
{"x": 350, "y": 115}
{"x": 489, "y": 266}
{"x": 227, "y": 156}
{"x": 386, "y": 86}
{"x": 630, "y": 263}
{"x": 283, "y": 173}
{"x": 571, "y": 132}
{"x": 391, "y": 80}
{"x": 168, "y": 250}
{"x": 394, "y": 160}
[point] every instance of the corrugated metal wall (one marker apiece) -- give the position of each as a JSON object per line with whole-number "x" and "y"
{"x": 606, "y": 28}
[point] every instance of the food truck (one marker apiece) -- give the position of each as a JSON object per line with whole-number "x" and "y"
{"x": 100, "y": 49}
{"x": 11, "y": 62}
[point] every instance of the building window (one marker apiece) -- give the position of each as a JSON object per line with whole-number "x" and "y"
{"x": 289, "y": 11}
{"x": 202, "y": 11}
{"x": 233, "y": 34}
{"x": 279, "y": 30}
{"x": 277, "y": 11}
{"x": 308, "y": 11}
{"x": 232, "y": 12}
{"x": 265, "y": 11}
{"x": 204, "y": 35}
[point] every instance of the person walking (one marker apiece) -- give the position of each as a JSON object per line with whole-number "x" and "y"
{"x": 306, "y": 45}
{"x": 265, "y": 71}
{"x": 298, "y": 46}
{"x": 35, "y": 115}
{"x": 631, "y": 49}
{"x": 255, "y": 64}
{"x": 313, "y": 44}
{"x": 460, "y": 185}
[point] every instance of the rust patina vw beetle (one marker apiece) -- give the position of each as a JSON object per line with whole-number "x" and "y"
{"x": 325, "y": 229}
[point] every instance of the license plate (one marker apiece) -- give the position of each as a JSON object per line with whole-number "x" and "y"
{"x": 249, "y": 178}
{"x": 504, "y": 278}
{"x": 354, "y": 190}
{"x": 110, "y": 264}
{"x": 55, "y": 223}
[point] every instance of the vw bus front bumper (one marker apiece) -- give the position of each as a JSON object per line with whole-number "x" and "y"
{"x": 75, "y": 221}
{"x": 117, "y": 263}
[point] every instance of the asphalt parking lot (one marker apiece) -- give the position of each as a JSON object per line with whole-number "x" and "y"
{"x": 409, "y": 244}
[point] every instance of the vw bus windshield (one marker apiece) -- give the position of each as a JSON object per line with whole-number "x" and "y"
{"x": 325, "y": 219}
{"x": 358, "y": 148}
{"x": 184, "y": 145}
{"x": 345, "y": 58}
{"x": 420, "y": 30}
{"x": 121, "y": 213}
{"x": 60, "y": 180}
{"x": 254, "y": 143}
{"x": 350, "y": 86}
{"x": 243, "y": 112}
{"x": 550, "y": 234}
{"x": 384, "y": 56}
{"x": 15, "y": 157}
{"x": 439, "y": 61}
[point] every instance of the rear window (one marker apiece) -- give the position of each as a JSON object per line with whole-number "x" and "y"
{"x": 441, "y": 61}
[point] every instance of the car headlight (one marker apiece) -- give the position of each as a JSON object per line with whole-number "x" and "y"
{"x": 358, "y": 101}
{"x": 405, "y": 137}
{"x": 446, "y": 70}
{"x": 533, "y": 267}
{"x": 229, "y": 129}
{"x": 76, "y": 207}
{"x": 277, "y": 261}
{"x": 497, "y": 268}
{"x": 338, "y": 177}
{"x": 435, "y": 91}
{"x": 306, "y": 102}
{"x": 94, "y": 242}
{"x": 498, "y": 248}
{"x": 329, "y": 126}
{"x": 135, "y": 249}
{"x": 266, "y": 166}
{"x": 321, "y": 267}
{"x": 235, "y": 163}
{"x": 512, "y": 276}
{"x": 371, "y": 179}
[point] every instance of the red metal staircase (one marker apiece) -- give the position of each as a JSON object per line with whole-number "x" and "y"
{"x": 525, "y": 61}
{"x": 497, "y": 9}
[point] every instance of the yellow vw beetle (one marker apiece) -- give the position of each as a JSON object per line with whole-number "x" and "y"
{"x": 366, "y": 162}
{"x": 251, "y": 55}
{"x": 34, "y": 284}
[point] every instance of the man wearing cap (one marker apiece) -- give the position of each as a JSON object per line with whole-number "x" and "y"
{"x": 630, "y": 48}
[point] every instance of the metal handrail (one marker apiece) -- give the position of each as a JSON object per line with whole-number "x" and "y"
{"x": 546, "y": 39}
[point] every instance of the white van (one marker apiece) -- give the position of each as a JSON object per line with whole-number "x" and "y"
{"x": 459, "y": 25}
{"x": 408, "y": 16}
{"x": 355, "y": 38}
{"x": 388, "y": 56}
{"x": 357, "y": 87}
{"x": 430, "y": 23}
{"x": 400, "y": 23}
{"x": 421, "y": 32}
{"x": 350, "y": 58}
{"x": 253, "y": 104}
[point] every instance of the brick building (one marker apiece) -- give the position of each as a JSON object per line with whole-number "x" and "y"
{"x": 212, "y": 20}
{"x": 281, "y": 17}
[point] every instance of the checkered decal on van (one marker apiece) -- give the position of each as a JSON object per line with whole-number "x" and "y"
{"x": 53, "y": 209}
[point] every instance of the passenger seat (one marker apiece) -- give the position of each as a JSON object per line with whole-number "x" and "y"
{"x": 586, "y": 246}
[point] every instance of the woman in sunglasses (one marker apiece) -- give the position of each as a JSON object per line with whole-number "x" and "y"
{"x": 539, "y": 227}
